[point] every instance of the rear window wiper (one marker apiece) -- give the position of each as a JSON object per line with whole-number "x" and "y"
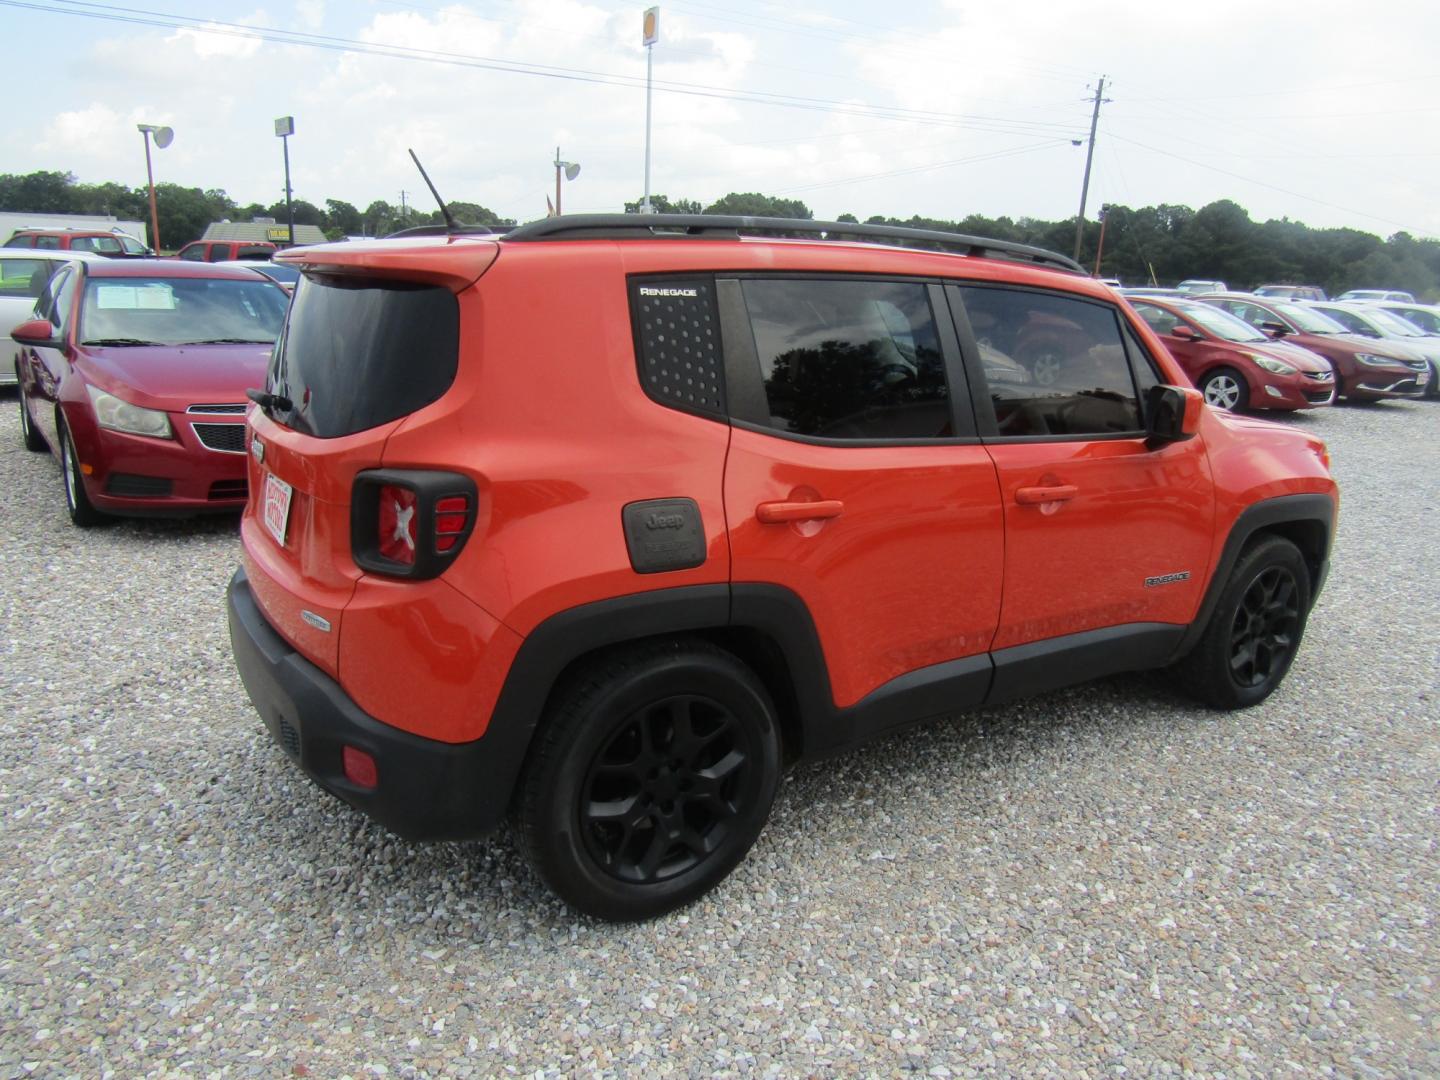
{"x": 118, "y": 341}
{"x": 271, "y": 403}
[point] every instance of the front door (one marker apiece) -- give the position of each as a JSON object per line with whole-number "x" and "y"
{"x": 854, "y": 476}
{"x": 1101, "y": 530}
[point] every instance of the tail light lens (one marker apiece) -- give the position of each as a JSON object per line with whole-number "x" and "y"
{"x": 410, "y": 523}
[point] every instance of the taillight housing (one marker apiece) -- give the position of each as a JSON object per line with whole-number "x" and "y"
{"x": 410, "y": 523}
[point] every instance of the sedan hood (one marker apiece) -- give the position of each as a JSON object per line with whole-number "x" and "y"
{"x": 172, "y": 377}
{"x": 1295, "y": 355}
{"x": 1391, "y": 347}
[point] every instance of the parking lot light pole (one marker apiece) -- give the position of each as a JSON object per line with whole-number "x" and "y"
{"x": 163, "y": 137}
{"x": 571, "y": 170}
{"x": 284, "y": 128}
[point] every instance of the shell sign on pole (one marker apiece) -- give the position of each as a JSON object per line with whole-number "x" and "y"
{"x": 650, "y": 28}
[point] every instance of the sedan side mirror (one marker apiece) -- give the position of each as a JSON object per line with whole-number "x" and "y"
{"x": 1184, "y": 332}
{"x": 39, "y": 332}
{"x": 1172, "y": 414}
{"x": 1274, "y": 329}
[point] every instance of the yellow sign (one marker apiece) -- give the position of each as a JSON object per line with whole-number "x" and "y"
{"x": 650, "y": 28}
{"x": 278, "y": 232}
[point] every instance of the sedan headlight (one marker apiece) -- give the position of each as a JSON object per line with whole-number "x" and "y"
{"x": 1270, "y": 364}
{"x": 1371, "y": 360}
{"x": 119, "y": 415}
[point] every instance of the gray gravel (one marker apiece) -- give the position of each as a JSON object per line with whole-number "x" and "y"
{"x": 1103, "y": 881}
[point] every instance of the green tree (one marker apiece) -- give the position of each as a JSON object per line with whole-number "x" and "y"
{"x": 661, "y": 204}
{"x": 753, "y": 204}
{"x": 342, "y": 219}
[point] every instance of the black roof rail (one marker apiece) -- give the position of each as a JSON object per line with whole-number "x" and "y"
{"x": 722, "y": 226}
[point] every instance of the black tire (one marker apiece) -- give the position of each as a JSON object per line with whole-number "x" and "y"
{"x": 77, "y": 503}
{"x": 1226, "y": 388}
{"x": 32, "y": 438}
{"x": 1432, "y": 389}
{"x": 1339, "y": 382}
{"x": 634, "y": 744}
{"x": 1255, "y": 630}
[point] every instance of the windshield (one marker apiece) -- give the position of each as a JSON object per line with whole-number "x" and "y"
{"x": 1309, "y": 320}
{"x": 357, "y": 353}
{"x": 1220, "y": 323}
{"x": 179, "y": 311}
{"x": 288, "y": 274}
{"x": 1395, "y": 324}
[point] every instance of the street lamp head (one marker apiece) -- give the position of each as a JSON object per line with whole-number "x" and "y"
{"x": 163, "y": 136}
{"x": 284, "y": 125}
{"x": 572, "y": 169}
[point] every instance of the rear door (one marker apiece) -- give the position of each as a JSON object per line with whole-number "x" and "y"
{"x": 855, "y": 478}
{"x": 1101, "y": 530}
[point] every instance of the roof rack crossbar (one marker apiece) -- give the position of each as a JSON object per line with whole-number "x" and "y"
{"x": 723, "y": 226}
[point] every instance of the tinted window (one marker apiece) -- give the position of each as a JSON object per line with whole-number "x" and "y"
{"x": 193, "y": 252}
{"x": 218, "y": 253}
{"x": 849, "y": 359}
{"x": 180, "y": 311}
{"x": 1160, "y": 320}
{"x": 23, "y": 277}
{"x": 105, "y": 245}
{"x": 45, "y": 306}
{"x": 358, "y": 353}
{"x": 50, "y": 243}
{"x": 21, "y": 241}
{"x": 1055, "y": 366}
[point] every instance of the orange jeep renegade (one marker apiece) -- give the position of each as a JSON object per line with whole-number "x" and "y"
{"x": 599, "y": 523}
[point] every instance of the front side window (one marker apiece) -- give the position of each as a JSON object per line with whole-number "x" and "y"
{"x": 849, "y": 359}
{"x": 1159, "y": 320}
{"x": 103, "y": 245}
{"x": 1055, "y": 366}
{"x": 1352, "y": 323}
{"x": 47, "y": 306}
{"x": 193, "y": 252}
{"x": 49, "y": 243}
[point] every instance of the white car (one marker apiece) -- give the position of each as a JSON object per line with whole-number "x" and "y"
{"x": 24, "y": 273}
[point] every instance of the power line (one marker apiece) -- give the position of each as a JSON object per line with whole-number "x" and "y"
{"x": 145, "y": 17}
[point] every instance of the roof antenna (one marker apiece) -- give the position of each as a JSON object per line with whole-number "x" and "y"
{"x": 450, "y": 224}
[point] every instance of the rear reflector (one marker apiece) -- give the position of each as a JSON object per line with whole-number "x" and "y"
{"x": 360, "y": 768}
{"x": 452, "y": 514}
{"x": 397, "y": 524}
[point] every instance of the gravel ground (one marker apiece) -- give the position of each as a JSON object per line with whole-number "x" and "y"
{"x": 1102, "y": 881}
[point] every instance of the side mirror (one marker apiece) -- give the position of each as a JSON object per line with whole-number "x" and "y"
{"x": 1184, "y": 332}
{"x": 39, "y": 332}
{"x": 1274, "y": 329}
{"x": 1172, "y": 414}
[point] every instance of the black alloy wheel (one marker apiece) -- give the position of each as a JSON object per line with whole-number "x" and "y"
{"x": 1262, "y": 634}
{"x": 1255, "y": 629}
{"x": 651, "y": 777}
{"x": 664, "y": 791}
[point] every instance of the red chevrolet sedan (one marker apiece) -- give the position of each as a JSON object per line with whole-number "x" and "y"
{"x": 134, "y": 373}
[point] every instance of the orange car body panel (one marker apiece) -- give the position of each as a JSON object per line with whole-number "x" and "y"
{"x": 932, "y": 558}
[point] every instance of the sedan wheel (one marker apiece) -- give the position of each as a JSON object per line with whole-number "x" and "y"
{"x": 77, "y": 503}
{"x": 1225, "y": 389}
{"x": 32, "y": 439}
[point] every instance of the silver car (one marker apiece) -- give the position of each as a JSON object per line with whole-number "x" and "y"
{"x": 24, "y": 272}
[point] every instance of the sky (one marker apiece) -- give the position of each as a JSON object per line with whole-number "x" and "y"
{"x": 1326, "y": 113}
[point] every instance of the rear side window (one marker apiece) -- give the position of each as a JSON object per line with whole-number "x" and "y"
{"x": 23, "y": 277}
{"x": 1054, "y": 366}
{"x": 357, "y": 353}
{"x": 849, "y": 359}
{"x": 21, "y": 241}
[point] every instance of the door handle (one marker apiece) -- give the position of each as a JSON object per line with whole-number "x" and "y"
{"x": 776, "y": 513}
{"x": 1034, "y": 496}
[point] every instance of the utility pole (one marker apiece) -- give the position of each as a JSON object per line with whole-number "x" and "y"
{"x": 1100, "y": 99}
{"x": 402, "y": 208}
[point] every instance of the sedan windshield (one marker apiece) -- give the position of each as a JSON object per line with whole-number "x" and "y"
{"x": 1397, "y": 326}
{"x": 179, "y": 311}
{"x": 1221, "y": 323}
{"x": 1309, "y": 320}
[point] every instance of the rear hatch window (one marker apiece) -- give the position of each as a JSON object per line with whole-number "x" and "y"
{"x": 359, "y": 352}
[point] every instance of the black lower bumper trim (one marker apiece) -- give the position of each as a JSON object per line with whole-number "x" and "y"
{"x": 427, "y": 790}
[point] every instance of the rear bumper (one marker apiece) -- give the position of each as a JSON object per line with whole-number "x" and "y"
{"x": 426, "y": 790}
